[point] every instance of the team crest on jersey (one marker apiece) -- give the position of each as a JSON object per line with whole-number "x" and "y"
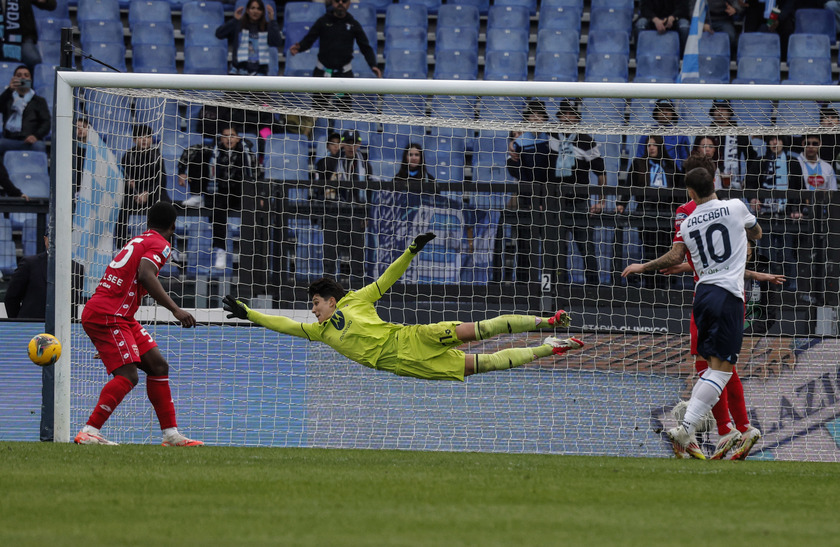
{"x": 337, "y": 320}
{"x": 679, "y": 219}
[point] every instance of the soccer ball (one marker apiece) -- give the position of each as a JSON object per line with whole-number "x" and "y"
{"x": 707, "y": 422}
{"x": 44, "y": 349}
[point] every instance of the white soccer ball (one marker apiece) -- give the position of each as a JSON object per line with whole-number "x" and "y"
{"x": 707, "y": 423}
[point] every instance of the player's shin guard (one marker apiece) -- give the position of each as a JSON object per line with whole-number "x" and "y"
{"x": 704, "y": 396}
{"x": 109, "y": 398}
{"x": 505, "y": 324}
{"x": 509, "y": 358}
{"x": 157, "y": 388}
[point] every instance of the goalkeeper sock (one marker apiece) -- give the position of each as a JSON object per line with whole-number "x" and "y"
{"x": 509, "y": 358}
{"x": 507, "y": 324}
{"x": 704, "y": 396}
{"x": 157, "y": 389}
{"x": 737, "y": 405}
{"x": 110, "y": 397}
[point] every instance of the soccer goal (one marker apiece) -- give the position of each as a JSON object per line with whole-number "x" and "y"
{"x": 540, "y": 193}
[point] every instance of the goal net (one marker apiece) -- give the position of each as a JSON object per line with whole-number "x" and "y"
{"x": 539, "y": 193}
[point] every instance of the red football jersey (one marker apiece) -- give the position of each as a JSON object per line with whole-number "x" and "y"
{"x": 118, "y": 292}
{"x": 682, "y": 213}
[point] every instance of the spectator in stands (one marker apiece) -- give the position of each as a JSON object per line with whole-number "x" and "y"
{"x": 194, "y": 173}
{"x": 326, "y": 170}
{"x": 783, "y": 22}
{"x": 830, "y": 150}
{"x": 708, "y": 146}
{"x": 665, "y": 15}
{"x": 20, "y": 41}
{"x": 252, "y": 31}
{"x": 578, "y": 155}
{"x": 144, "y": 180}
{"x": 346, "y": 230}
{"x": 26, "y": 116}
{"x": 834, "y": 6}
{"x": 337, "y": 30}
{"x": 734, "y": 151}
{"x": 80, "y": 152}
{"x": 721, "y": 18}
{"x": 529, "y": 161}
{"x": 677, "y": 147}
{"x": 234, "y": 166}
{"x": 654, "y": 170}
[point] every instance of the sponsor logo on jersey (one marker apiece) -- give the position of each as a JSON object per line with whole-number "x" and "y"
{"x": 166, "y": 251}
{"x": 816, "y": 181}
{"x": 337, "y": 320}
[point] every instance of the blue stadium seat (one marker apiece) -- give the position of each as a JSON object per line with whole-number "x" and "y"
{"x": 309, "y": 249}
{"x": 413, "y": 38}
{"x": 714, "y": 69}
{"x": 379, "y": 5}
{"x": 753, "y": 112}
{"x": 8, "y": 257}
{"x": 650, "y": 42}
{"x": 657, "y": 57}
{"x": 445, "y": 157}
{"x": 516, "y": 17}
{"x": 286, "y": 159}
{"x": 758, "y": 70}
{"x": 7, "y": 71}
{"x": 456, "y": 38}
{"x": 201, "y": 34}
{"x": 458, "y": 15}
{"x": 158, "y": 113}
{"x": 360, "y": 67}
{"x": 107, "y": 30}
{"x": 33, "y": 185}
{"x": 809, "y": 46}
{"x": 365, "y": 15}
{"x": 212, "y": 13}
{"x": 61, "y": 11}
{"x": 456, "y": 65}
{"x": 50, "y": 51}
{"x": 407, "y": 15}
{"x": 301, "y": 64}
{"x": 112, "y": 53}
{"x": 758, "y": 44}
{"x": 154, "y": 58}
{"x": 29, "y": 235}
{"x": 550, "y": 66}
{"x": 406, "y": 64}
{"x": 205, "y": 60}
{"x": 20, "y": 162}
{"x": 575, "y": 4}
{"x": 506, "y": 65}
{"x": 609, "y": 42}
{"x": 530, "y": 4}
{"x": 5, "y": 229}
{"x": 490, "y": 150}
{"x": 607, "y": 67}
{"x": 431, "y": 5}
{"x": 303, "y": 12}
{"x": 809, "y": 70}
{"x": 797, "y": 113}
{"x": 560, "y": 17}
{"x": 715, "y": 44}
{"x": 98, "y": 10}
{"x": 451, "y": 106}
{"x": 49, "y": 28}
{"x": 501, "y": 108}
{"x": 149, "y": 11}
{"x": 610, "y": 15}
{"x": 483, "y": 6}
{"x": 558, "y": 41}
{"x": 162, "y": 34}
{"x": 295, "y": 31}
{"x": 641, "y": 112}
{"x": 816, "y": 21}
{"x": 507, "y": 39}
{"x": 402, "y": 105}
{"x": 600, "y": 110}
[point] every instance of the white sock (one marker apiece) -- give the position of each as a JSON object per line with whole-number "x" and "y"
{"x": 90, "y": 429}
{"x": 704, "y": 396}
{"x": 170, "y": 431}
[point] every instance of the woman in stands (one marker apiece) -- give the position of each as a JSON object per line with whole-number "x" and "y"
{"x": 251, "y": 33}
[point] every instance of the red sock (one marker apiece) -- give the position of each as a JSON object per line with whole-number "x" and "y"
{"x": 737, "y": 405}
{"x": 721, "y": 409}
{"x": 157, "y": 388}
{"x": 109, "y": 398}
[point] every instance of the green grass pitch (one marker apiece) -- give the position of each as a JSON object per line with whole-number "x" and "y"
{"x": 58, "y": 494}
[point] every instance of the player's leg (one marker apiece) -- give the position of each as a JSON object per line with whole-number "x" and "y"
{"x": 509, "y": 324}
{"x": 516, "y": 357}
{"x": 123, "y": 381}
{"x": 748, "y": 434}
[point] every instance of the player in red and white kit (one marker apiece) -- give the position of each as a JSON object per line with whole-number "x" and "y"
{"x": 122, "y": 343}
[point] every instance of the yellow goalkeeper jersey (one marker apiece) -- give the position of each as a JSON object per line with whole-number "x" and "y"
{"x": 355, "y": 330}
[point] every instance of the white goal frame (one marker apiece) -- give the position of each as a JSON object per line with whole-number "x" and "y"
{"x": 63, "y": 135}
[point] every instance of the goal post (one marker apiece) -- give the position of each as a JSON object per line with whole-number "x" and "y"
{"x": 236, "y": 385}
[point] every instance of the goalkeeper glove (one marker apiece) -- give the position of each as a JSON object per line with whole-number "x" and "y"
{"x": 235, "y": 307}
{"x": 420, "y": 242}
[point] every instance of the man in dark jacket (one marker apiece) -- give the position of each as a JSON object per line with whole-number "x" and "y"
{"x": 665, "y": 15}
{"x": 26, "y": 116}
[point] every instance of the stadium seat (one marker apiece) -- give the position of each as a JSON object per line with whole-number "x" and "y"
{"x": 506, "y": 65}
{"x": 550, "y": 66}
{"x": 797, "y": 113}
{"x": 361, "y": 69}
{"x": 507, "y": 39}
{"x": 301, "y": 64}
{"x": 560, "y": 17}
{"x": 757, "y": 70}
{"x": 458, "y": 15}
{"x": 286, "y": 159}
{"x": 29, "y": 235}
{"x": 558, "y": 41}
{"x": 201, "y": 34}
{"x": 365, "y": 15}
{"x": 153, "y": 58}
{"x": 607, "y": 67}
{"x": 157, "y": 112}
{"x": 598, "y": 110}
{"x": 714, "y": 69}
{"x": 49, "y": 28}
{"x": 98, "y": 10}
{"x": 8, "y": 257}
{"x": 7, "y": 71}
{"x": 26, "y": 162}
{"x": 483, "y": 6}
{"x": 456, "y": 38}
{"x": 413, "y": 38}
{"x": 610, "y": 15}
{"x": 406, "y": 64}
{"x": 205, "y": 60}
{"x": 514, "y": 17}
{"x": 809, "y": 70}
{"x": 212, "y": 13}
{"x": 609, "y": 42}
{"x": 61, "y": 11}
{"x": 309, "y": 249}
{"x": 715, "y": 44}
{"x": 162, "y": 34}
{"x": 407, "y": 15}
{"x": 657, "y": 57}
{"x": 451, "y": 106}
{"x": 33, "y": 185}
{"x": 574, "y": 4}
{"x": 501, "y": 108}
{"x": 446, "y": 157}
{"x": 432, "y": 6}
{"x": 379, "y": 5}
{"x": 303, "y": 12}
{"x": 491, "y": 148}
{"x": 809, "y": 46}
{"x": 753, "y": 112}
{"x": 106, "y": 30}
{"x": 44, "y": 74}
{"x": 50, "y": 51}
{"x": 295, "y": 31}
{"x": 530, "y": 4}
{"x": 112, "y": 53}
{"x": 650, "y": 42}
{"x": 758, "y": 44}
{"x": 109, "y": 113}
{"x": 5, "y": 229}
{"x": 456, "y": 65}
{"x": 816, "y": 21}
{"x": 149, "y": 11}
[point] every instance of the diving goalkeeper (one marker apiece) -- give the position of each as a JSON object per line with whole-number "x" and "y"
{"x": 348, "y": 323}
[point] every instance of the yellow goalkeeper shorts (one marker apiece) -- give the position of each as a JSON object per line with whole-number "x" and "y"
{"x": 428, "y": 352}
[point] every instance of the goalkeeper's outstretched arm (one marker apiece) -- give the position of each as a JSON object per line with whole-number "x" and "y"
{"x": 375, "y": 290}
{"x": 276, "y": 323}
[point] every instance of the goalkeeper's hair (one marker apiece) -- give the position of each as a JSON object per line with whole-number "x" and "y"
{"x": 701, "y": 181}
{"x": 326, "y": 288}
{"x": 161, "y": 216}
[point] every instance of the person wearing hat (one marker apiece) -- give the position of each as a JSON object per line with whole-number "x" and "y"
{"x": 578, "y": 157}
{"x": 677, "y": 147}
{"x": 734, "y": 152}
{"x": 144, "y": 179}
